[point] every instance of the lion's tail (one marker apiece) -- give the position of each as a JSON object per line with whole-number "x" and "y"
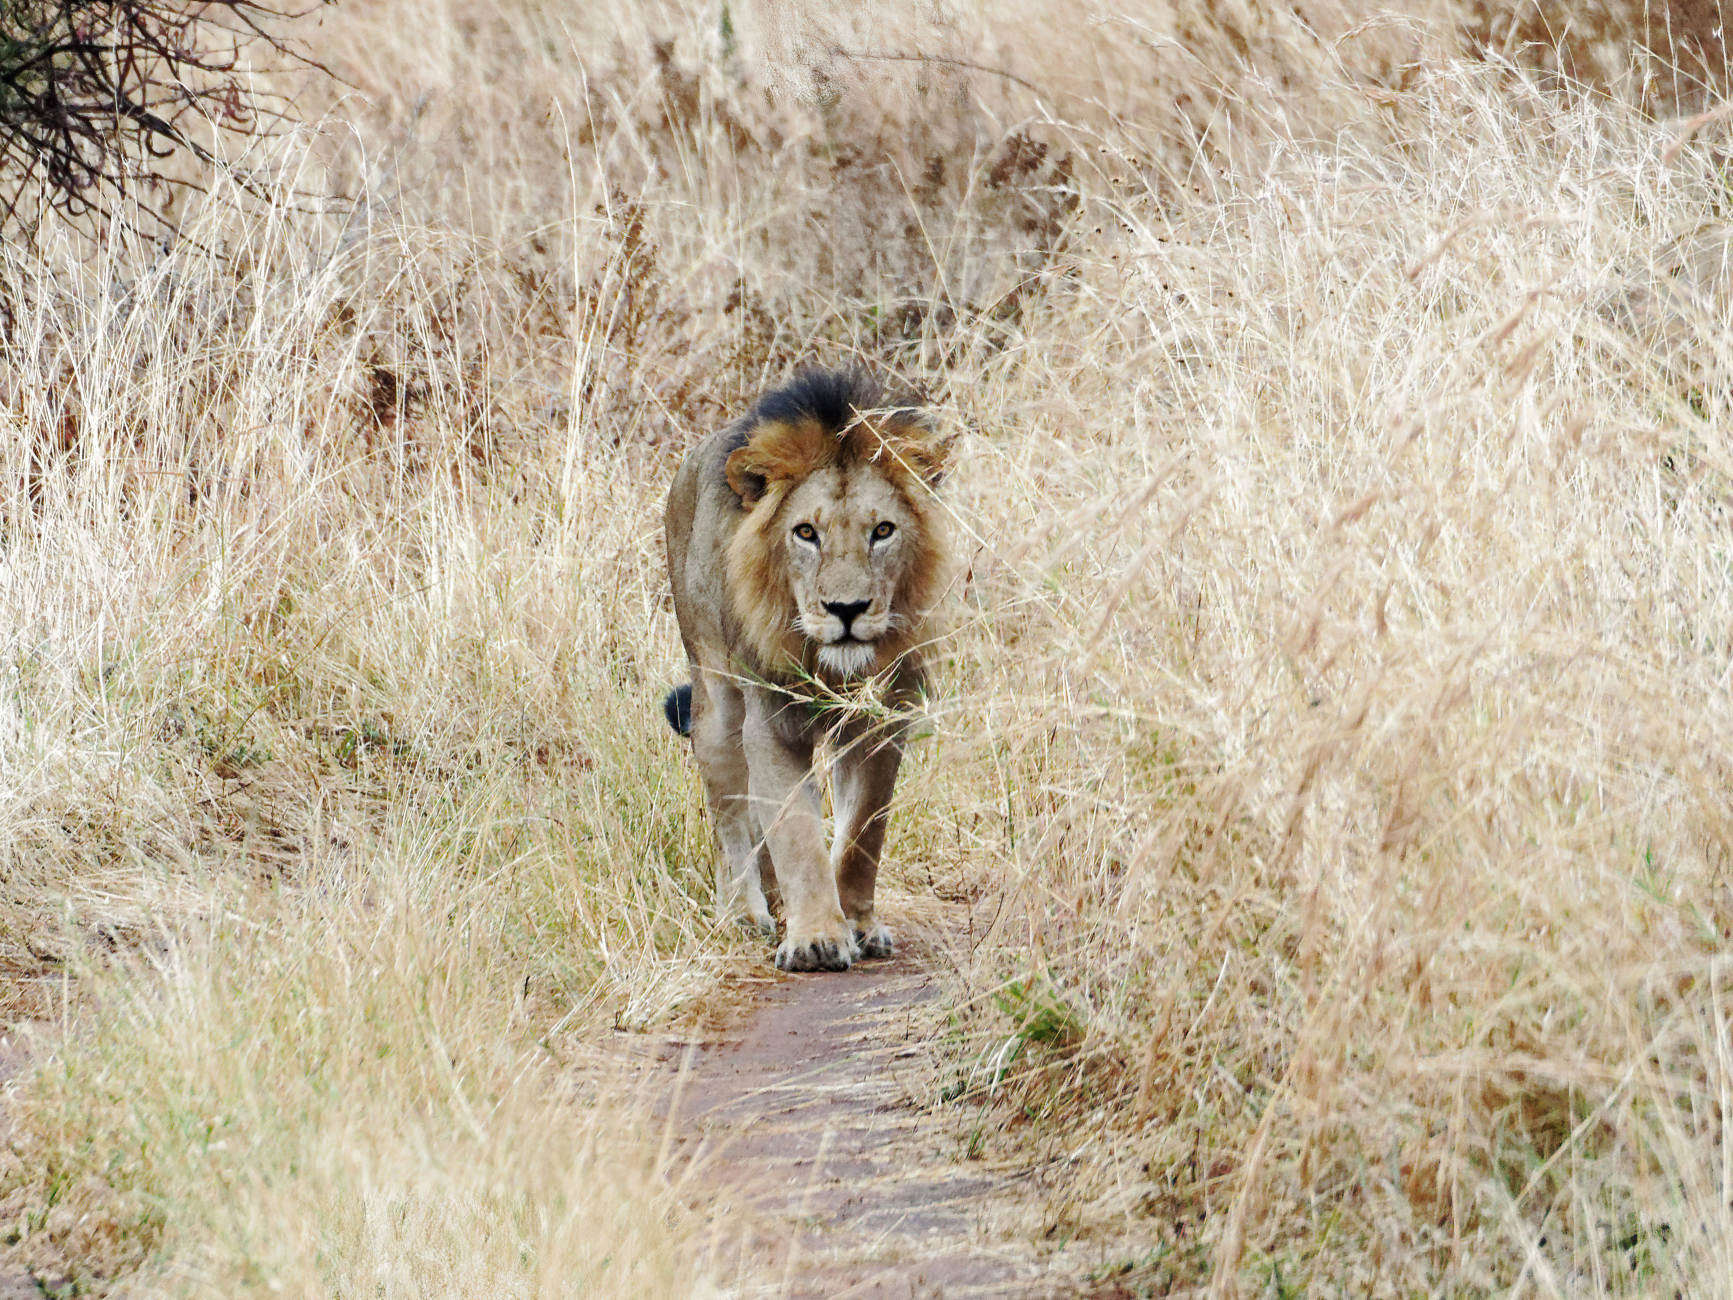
{"x": 677, "y": 708}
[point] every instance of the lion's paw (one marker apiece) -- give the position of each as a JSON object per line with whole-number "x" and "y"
{"x": 874, "y": 941}
{"x": 759, "y": 927}
{"x": 816, "y": 952}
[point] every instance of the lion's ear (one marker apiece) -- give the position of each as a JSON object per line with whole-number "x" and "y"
{"x": 928, "y": 456}
{"x": 745, "y": 476}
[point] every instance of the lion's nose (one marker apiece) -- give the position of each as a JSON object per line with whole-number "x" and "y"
{"x": 846, "y": 611}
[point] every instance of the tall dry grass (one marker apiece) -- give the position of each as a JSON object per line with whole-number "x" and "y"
{"x": 332, "y": 800}
{"x": 1348, "y": 648}
{"x": 1331, "y": 743}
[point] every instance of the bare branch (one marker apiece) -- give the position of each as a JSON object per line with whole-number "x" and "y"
{"x": 100, "y": 98}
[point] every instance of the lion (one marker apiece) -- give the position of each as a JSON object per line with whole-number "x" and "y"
{"x": 806, "y": 552}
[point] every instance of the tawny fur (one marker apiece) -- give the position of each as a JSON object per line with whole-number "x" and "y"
{"x": 821, "y": 467}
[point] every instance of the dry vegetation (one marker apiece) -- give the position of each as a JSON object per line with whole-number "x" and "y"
{"x": 1334, "y": 748}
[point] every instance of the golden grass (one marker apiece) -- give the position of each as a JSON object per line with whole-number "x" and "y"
{"x": 1354, "y": 680}
{"x": 1333, "y": 742}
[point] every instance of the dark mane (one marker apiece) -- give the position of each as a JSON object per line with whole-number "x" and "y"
{"x": 829, "y": 397}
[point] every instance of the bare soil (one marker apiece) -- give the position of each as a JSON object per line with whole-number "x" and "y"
{"x": 824, "y": 1163}
{"x": 808, "y": 1132}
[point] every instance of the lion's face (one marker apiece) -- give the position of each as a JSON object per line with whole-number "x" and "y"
{"x": 839, "y": 556}
{"x": 847, "y": 536}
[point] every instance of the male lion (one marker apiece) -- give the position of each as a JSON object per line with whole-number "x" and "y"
{"x": 805, "y": 552}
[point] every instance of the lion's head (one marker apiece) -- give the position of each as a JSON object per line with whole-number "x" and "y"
{"x": 840, "y": 555}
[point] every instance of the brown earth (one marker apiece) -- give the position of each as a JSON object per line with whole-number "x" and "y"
{"x": 824, "y": 1162}
{"x": 808, "y": 1132}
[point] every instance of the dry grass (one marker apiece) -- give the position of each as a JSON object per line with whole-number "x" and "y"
{"x": 1357, "y": 681}
{"x": 1335, "y": 742}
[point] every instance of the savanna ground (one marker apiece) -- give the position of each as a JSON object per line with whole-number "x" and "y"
{"x": 1332, "y": 752}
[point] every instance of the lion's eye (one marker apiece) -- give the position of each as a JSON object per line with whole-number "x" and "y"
{"x": 806, "y": 533}
{"x": 883, "y": 531}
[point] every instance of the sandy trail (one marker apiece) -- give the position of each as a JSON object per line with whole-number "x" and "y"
{"x": 820, "y": 1162}
{"x": 807, "y": 1134}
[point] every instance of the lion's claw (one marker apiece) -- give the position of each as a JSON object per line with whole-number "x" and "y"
{"x": 874, "y": 941}
{"x": 814, "y": 954}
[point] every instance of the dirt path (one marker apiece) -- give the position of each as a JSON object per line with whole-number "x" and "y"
{"x": 808, "y": 1134}
{"x": 825, "y": 1169}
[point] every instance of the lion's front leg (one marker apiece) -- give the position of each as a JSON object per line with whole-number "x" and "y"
{"x": 785, "y": 797}
{"x": 866, "y": 777}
